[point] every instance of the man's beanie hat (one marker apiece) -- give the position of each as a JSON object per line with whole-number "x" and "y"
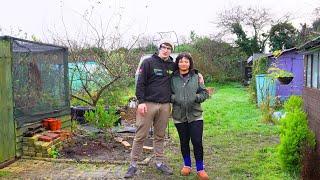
{"x": 166, "y": 42}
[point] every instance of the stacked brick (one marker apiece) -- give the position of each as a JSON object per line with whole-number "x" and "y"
{"x": 40, "y": 145}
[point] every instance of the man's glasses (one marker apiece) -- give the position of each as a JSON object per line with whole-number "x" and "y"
{"x": 166, "y": 47}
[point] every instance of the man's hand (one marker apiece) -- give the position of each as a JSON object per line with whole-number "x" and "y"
{"x": 142, "y": 108}
{"x": 201, "y": 80}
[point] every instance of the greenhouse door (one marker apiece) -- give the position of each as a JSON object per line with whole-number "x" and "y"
{"x": 7, "y": 129}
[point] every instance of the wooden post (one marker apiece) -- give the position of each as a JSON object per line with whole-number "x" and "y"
{"x": 7, "y": 127}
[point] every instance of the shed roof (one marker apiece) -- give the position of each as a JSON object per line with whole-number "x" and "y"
{"x": 285, "y": 51}
{"x": 23, "y": 45}
{"x": 314, "y": 43}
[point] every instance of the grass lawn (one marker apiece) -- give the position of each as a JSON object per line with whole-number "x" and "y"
{"x": 237, "y": 145}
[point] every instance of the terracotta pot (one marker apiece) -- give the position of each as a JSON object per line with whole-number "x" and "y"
{"x": 54, "y": 124}
{"x": 59, "y": 123}
{"x": 46, "y": 122}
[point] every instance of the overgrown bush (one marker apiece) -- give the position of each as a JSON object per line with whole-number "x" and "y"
{"x": 217, "y": 60}
{"x": 295, "y": 136}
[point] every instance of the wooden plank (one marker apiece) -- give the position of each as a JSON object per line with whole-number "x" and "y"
{"x": 126, "y": 144}
{"x": 7, "y": 128}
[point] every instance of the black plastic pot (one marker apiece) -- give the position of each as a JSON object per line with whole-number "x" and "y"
{"x": 285, "y": 80}
{"x": 77, "y": 113}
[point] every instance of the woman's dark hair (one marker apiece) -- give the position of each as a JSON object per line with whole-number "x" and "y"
{"x": 184, "y": 55}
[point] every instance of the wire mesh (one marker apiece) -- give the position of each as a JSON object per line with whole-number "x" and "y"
{"x": 40, "y": 80}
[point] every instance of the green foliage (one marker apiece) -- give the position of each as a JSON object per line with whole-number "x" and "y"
{"x": 54, "y": 152}
{"x": 101, "y": 118}
{"x": 150, "y": 48}
{"x": 217, "y": 60}
{"x": 275, "y": 72}
{"x": 248, "y": 25}
{"x": 276, "y": 53}
{"x": 295, "y": 136}
{"x": 118, "y": 96}
{"x": 282, "y": 35}
{"x": 260, "y": 66}
{"x": 183, "y": 48}
{"x": 74, "y": 125}
{"x": 248, "y": 45}
{"x": 294, "y": 102}
{"x": 4, "y": 173}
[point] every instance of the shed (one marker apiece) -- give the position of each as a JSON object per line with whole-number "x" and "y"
{"x": 33, "y": 86}
{"x": 290, "y": 60}
{"x": 311, "y": 89}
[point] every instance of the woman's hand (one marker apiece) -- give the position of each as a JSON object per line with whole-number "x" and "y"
{"x": 201, "y": 80}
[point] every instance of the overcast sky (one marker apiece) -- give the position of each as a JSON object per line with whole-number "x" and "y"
{"x": 147, "y": 17}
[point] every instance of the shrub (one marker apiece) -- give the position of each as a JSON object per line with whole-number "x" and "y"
{"x": 102, "y": 118}
{"x": 295, "y": 136}
{"x": 218, "y": 61}
{"x": 54, "y": 152}
{"x": 294, "y": 102}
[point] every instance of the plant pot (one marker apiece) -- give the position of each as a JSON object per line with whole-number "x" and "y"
{"x": 46, "y": 123}
{"x": 285, "y": 80}
{"x": 55, "y": 124}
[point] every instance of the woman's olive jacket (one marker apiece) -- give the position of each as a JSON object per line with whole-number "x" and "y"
{"x": 187, "y": 94}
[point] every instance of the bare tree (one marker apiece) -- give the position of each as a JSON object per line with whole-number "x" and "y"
{"x": 101, "y": 59}
{"x": 248, "y": 25}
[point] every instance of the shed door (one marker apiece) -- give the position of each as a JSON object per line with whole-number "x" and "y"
{"x": 7, "y": 128}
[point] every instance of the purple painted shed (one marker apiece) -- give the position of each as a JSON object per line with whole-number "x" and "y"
{"x": 290, "y": 60}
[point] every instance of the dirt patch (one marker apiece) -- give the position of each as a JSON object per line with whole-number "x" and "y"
{"x": 98, "y": 148}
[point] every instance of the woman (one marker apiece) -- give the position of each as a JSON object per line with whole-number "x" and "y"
{"x": 187, "y": 94}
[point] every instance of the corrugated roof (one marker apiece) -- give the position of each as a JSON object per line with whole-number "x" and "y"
{"x": 310, "y": 44}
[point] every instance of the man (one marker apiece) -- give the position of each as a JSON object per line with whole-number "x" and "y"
{"x": 153, "y": 93}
